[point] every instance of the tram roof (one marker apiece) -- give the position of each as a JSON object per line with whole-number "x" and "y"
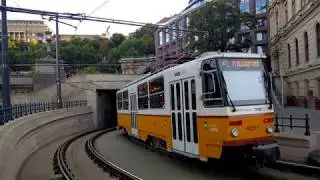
{"x": 203, "y": 56}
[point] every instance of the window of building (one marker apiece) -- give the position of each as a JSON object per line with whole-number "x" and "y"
{"x": 286, "y": 11}
{"x": 160, "y": 37}
{"x": 156, "y": 90}
{"x": 180, "y": 28}
{"x": 289, "y": 56}
{"x": 297, "y": 52}
{"x": 167, "y": 35}
{"x": 143, "y": 102}
{"x": 259, "y": 36}
{"x": 187, "y": 21}
{"x": 125, "y": 100}
{"x": 277, "y": 20}
{"x": 293, "y": 7}
{"x": 261, "y": 6}
{"x": 174, "y": 31}
{"x": 318, "y": 38}
{"x": 306, "y": 46}
{"x": 261, "y": 23}
{"x": 297, "y": 89}
{"x": 244, "y": 5}
{"x": 244, "y": 26}
{"x": 261, "y": 50}
{"x": 210, "y": 85}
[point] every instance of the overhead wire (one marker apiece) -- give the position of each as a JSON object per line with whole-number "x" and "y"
{"x": 82, "y": 17}
{"x": 95, "y": 10}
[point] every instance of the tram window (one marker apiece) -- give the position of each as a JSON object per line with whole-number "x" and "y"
{"x": 119, "y": 99}
{"x": 193, "y": 95}
{"x": 173, "y": 115}
{"x": 195, "y": 127}
{"x": 188, "y": 126}
{"x": 178, "y": 96}
{"x": 186, "y": 94}
{"x": 143, "y": 102}
{"x": 179, "y": 126}
{"x": 125, "y": 100}
{"x": 172, "y": 97}
{"x": 156, "y": 90}
{"x": 211, "y": 89}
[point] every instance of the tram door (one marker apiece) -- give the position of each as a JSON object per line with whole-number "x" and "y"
{"x": 184, "y": 116}
{"x": 133, "y": 109}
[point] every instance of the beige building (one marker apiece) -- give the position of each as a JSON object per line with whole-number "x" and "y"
{"x": 26, "y": 30}
{"x": 295, "y": 49}
{"x": 134, "y": 66}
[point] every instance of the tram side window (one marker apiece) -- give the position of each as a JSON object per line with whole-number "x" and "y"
{"x": 210, "y": 85}
{"x": 156, "y": 90}
{"x": 143, "y": 102}
{"x": 126, "y": 100}
{"x": 119, "y": 100}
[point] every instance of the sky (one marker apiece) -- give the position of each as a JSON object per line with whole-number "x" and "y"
{"x": 133, "y": 10}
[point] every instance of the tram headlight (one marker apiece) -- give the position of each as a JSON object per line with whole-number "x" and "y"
{"x": 269, "y": 129}
{"x": 235, "y": 132}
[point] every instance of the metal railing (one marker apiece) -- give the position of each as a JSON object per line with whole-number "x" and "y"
{"x": 19, "y": 110}
{"x": 306, "y": 125}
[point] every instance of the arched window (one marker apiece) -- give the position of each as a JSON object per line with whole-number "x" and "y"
{"x": 289, "y": 56}
{"x": 297, "y": 52}
{"x": 318, "y": 38}
{"x": 306, "y": 46}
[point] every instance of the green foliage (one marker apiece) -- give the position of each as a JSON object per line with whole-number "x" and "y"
{"x": 117, "y": 39}
{"x": 221, "y": 19}
{"x": 90, "y": 70}
{"x": 102, "y": 53}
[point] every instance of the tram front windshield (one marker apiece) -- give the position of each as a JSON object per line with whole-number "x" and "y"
{"x": 244, "y": 81}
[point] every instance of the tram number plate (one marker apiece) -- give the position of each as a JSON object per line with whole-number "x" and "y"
{"x": 252, "y": 128}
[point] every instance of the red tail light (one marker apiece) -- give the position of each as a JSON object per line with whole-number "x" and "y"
{"x": 268, "y": 120}
{"x": 235, "y": 123}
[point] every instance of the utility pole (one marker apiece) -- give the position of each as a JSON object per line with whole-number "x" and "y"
{"x": 5, "y": 61}
{"x": 58, "y": 80}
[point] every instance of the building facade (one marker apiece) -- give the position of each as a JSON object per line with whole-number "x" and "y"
{"x": 172, "y": 40}
{"x": 135, "y": 66}
{"x": 258, "y": 35}
{"x": 26, "y": 30}
{"x": 295, "y": 50}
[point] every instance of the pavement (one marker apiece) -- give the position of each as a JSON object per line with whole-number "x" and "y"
{"x": 151, "y": 165}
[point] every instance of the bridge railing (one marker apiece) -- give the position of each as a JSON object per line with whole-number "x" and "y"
{"x": 9, "y": 113}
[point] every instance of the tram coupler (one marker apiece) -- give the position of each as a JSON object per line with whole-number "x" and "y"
{"x": 265, "y": 152}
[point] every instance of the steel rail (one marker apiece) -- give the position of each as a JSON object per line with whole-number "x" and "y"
{"x": 106, "y": 165}
{"x": 60, "y": 164}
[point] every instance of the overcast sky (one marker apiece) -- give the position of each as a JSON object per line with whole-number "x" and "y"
{"x": 135, "y": 10}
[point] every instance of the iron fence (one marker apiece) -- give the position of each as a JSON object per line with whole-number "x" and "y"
{"x": 19, "y": 110}
{"x": 306, "y": 124}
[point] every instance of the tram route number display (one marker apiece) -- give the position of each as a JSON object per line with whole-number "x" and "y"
{"x": 241, "y": 64}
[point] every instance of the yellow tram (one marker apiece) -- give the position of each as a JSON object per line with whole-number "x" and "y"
{"x": 215, "y": 106}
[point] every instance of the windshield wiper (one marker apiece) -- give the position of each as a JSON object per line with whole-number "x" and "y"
{"x": 226, "y": 92}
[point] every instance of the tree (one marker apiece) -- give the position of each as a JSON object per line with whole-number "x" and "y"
{"x": 117, "y": 39}
{"x": 221, "y": 19}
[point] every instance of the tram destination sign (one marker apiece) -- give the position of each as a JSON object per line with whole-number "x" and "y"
{"x": 239, "y": 64}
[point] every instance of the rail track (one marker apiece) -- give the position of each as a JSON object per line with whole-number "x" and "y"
{"x": 61, "y": 167}
{"x": 60, "y": 164}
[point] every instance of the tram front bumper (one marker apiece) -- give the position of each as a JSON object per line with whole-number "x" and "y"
{"x": 266, "y": 152}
